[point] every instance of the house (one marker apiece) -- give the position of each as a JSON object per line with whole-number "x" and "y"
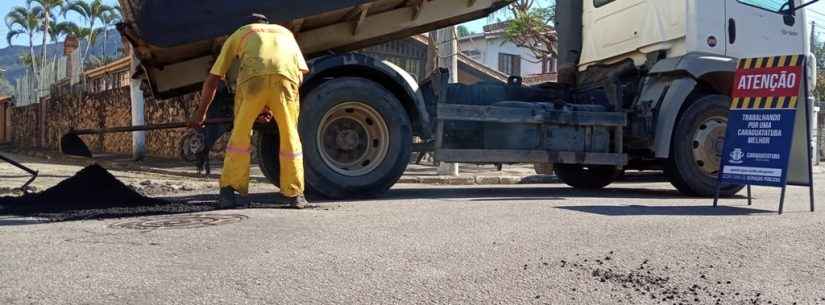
{"x": 495, "y": 51}
{"x": 411, "y": 55}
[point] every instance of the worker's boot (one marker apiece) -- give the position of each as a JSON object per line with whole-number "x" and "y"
{"x": 299, "y": 202}
{"x": 230, "y": 199}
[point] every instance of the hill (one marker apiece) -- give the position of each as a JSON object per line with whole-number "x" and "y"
{"x": 10, "y": 56}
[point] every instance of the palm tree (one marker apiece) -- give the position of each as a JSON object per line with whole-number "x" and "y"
{"x": 47, "y": 7}
{"x": 61, "y": 29}
{"x": 91, "y": 12}
{"x": 68, "y": 28}
{"x": 109, "y": 19}
{"x": 24, "y": 21}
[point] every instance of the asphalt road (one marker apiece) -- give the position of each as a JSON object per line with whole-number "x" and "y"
{"x": 633, "y": 243}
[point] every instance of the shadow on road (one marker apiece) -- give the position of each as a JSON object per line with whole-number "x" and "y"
{"x": 262, "y": 198}
{"x": 257, "y": 201}
{"x": 530, "y": 193}
{"x": 208, "y": 202}
{"x": 643, "y": 210}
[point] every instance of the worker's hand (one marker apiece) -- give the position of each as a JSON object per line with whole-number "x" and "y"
{"x": 198, "y": 120}
{"x": 265, "y": 116}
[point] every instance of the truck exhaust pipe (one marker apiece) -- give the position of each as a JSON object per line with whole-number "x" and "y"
{"x": 569, "y": 29}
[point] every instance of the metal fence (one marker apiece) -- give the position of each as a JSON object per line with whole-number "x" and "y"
{"x": 30, "y": 88}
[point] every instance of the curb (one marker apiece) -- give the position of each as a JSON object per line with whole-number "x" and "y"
{"x": 478, "y": 180}
{"x": 407, "y": 179}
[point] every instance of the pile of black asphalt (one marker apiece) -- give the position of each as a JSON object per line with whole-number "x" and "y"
{"x": 94, "y": 193}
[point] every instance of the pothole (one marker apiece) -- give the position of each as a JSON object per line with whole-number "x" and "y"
{"x": 180, "y": 221}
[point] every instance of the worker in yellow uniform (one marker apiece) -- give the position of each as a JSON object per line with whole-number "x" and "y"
{"x": 271, "y": 70}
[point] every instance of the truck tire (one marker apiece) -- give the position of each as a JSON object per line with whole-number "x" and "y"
{"x": 356, "y": 138}
{"x": 696, "y": 148}
{"x": 267, "y": 153}
{"x": 590, "y": 177}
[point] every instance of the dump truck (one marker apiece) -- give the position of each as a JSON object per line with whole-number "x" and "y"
{"x": 643, "y": 84}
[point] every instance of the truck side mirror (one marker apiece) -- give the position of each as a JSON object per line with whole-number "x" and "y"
{"x": 789, "y": 19}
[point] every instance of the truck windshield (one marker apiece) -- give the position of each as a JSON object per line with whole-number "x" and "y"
{"x": 775, "y": 6}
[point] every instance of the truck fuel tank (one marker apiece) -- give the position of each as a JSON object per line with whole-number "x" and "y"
{"x": 545, "y": 137}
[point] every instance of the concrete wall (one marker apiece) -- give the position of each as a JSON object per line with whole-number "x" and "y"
{"x": 42, "y": 125}
{"x": 99, "y": 110}
{"x": 25, "y": 121}
{"x": 165, "y": 143}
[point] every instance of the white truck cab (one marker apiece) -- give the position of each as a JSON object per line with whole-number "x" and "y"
{"x": 617, "y": 29}
{"x": 669, "y": 64}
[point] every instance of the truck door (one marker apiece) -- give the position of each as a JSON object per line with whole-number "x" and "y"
{"x": 755, "y": 28}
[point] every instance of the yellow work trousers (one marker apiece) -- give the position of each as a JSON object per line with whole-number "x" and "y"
{"x": 280, "y": 95}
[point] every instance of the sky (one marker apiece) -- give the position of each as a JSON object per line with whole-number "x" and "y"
{"x": 5, "y": 7}
{"x": 817, "y": 14}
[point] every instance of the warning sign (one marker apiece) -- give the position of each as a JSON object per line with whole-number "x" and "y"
{"x": 762, "y": 119}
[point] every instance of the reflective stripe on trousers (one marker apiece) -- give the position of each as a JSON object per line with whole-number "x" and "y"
{"x": 280, "y": 95}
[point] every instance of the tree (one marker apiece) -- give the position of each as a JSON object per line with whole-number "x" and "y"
{"x": 24, "y": 21}
{"x": 66, "y": 29}
{"x": 59, "y": 30}
{"x": 531, "y": 28}
{"x": 6, "y": 89}
{"x": 47, "y": 7}
{"x": 109, "y": 19}
{"x": 28, "y": 60}
{"x": 818, "y": 49}
{"x": 463, "y": 31}
{"x": 92, "y": 12}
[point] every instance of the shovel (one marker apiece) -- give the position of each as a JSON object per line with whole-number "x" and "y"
{"x": 71, "y": 144}
{"x": 25, "y": 188}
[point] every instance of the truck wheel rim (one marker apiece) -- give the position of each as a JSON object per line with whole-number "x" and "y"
{"x": 353, "y": 139}
{"x": 707, "y": 143}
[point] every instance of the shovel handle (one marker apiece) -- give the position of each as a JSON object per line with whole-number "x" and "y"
{"x": 145, "y": 127}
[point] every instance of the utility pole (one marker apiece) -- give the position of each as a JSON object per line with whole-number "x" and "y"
{"x": 813, "y": 35}
{"x": 447, "y": 47}
{"x": 815, "y": 132}
{"x": 138, "y": 110}
{"x": 432, "y": 53}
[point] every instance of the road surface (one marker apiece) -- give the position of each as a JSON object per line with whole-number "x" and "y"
{"x": 632, "y": 243}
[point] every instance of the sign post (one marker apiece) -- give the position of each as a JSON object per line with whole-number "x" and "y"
{"x": 767, "y": 139}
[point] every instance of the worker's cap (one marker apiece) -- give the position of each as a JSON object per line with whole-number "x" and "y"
{"x": 258, "y": 18}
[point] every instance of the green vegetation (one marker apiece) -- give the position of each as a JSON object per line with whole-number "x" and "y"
{"x": 6, "y": 88}
{"x": 24, "y": 21}
{"x": 818, "y": 49}
{"x": 48, "y": 19}
{"x": 531, "y": 27}
{"x": 463, "y": 31}
{"x": 94, "y": 13}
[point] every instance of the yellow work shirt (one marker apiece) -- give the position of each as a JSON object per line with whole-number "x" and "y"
{"x": 263, "y": 49}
